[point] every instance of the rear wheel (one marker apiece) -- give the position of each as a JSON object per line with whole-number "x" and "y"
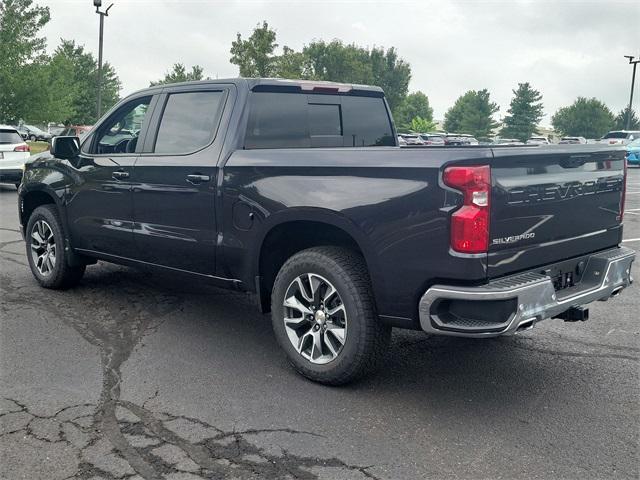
{"x": 33, "y": 138}
{"x": 324, "y": 316}
{"x": 46, "y": 250}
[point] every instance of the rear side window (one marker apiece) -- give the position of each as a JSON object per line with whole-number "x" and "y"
{"x": 189, "y": 121}
{"x": 290, "y": 120}
{"x": 8, "y": 137}
{"x": 366, "y": 122}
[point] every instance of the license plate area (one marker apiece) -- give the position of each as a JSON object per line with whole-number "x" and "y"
{"x": 566, "y": 274}
{"x": 564, "y": 280}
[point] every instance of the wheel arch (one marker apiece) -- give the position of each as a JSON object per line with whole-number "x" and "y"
{"x": 297, "y": 230}
{"x": 34, "y": 198}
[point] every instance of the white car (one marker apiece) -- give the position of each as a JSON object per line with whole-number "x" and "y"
{"x": 13, "y": 153}
{"x": 620, "y": 137}
{"x": 573, "y": 141}
{"x": 538, "y": 141}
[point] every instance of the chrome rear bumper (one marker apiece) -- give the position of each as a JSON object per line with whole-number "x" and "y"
{"x": 523, "y": 299}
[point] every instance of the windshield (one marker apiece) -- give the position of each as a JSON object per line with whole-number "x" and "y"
{"x": 34, "y": 129}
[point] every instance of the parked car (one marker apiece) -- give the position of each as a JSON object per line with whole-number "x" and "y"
{"x": 412, "y": 139}
{"x": 429, "y": 139}
{"x": 507, "y": 141}
{"x": 620, "y": 137}
{"x": 538, "y": 141}
{"x": 254, "y": 185}
{"x": 633, "y": 153}
{"x": 459, "y": 139}
{"x": 468, "y": 139}
{"x": 573, "y": 141}
{"x": 401, "y": 141}
{"x": 454, "y": 139}
{"x": 13, "y": 153}
{"x": 33, "y": 134}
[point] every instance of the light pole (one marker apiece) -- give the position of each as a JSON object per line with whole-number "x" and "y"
{"x": 633, "y": 81}
{"x": 98, "y": 4}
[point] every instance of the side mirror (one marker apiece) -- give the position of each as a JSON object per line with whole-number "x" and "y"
{"x": 65, "y": 148}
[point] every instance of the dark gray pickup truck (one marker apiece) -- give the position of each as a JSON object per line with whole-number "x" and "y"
{"x": 297, "y": 191}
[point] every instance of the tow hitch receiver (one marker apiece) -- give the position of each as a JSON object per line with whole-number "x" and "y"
{"x": 575, "y": 314}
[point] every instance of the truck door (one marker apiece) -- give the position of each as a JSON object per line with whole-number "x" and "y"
{"x": 174, "y": 193}
{"x": 99, "y": 208}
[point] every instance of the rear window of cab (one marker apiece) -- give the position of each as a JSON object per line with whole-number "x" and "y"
{"x": 294, "y": 120}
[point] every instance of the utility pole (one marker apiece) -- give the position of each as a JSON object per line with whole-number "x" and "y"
{"x": 98, "y": 4}
{"x": 633, "y": 81}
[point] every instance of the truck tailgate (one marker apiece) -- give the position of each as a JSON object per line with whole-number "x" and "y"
{"x": 553, "y": 203}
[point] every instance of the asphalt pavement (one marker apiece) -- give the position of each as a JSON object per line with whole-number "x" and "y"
{"x": 138, "y": 375}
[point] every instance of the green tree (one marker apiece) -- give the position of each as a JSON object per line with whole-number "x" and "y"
{"x": 290, "y": 64}
{"x": 390, "y": 72}
{"x": 414, "y": 105}
{"x": 586, "y": 117}
{"x": 421, "y": 125}
{"x": 254, "y": 56}
{"x": 20, "y": 49}
{"x": 524, "y": 114}
{"x": 178, "y": 73}
{"x": 83, "y": 74}
{"x": 621, "y": 120}
{"x": 337, "y": 62}
{"x": 472, "y": 113}
{"x": 53, "y": 91}
{"x": 319, "y": 60}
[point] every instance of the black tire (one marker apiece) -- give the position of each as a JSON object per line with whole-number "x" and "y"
{"x": 33, "y": 138}
{"x": 366, "y": 338}
{"x": 62, "y": 275}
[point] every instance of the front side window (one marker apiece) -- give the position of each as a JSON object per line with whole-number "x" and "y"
{"x": 120, "y": 132}
{"x": 189, "y": 121}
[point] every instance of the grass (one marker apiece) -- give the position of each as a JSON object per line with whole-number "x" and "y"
{"x": 38, "y": 147}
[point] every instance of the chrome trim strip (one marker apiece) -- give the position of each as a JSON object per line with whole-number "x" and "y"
{"x": 536, "y": 298}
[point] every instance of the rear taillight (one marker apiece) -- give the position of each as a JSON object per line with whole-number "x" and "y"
{"x": 470, "y": 223}
{"x": 22, "y": 148}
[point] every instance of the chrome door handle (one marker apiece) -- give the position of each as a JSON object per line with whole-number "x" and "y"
{"x": 120, "y": 175}
{"x": 196, "y": 178}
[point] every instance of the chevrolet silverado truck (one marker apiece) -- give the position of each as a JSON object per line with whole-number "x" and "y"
{"x": 298, "y": 192}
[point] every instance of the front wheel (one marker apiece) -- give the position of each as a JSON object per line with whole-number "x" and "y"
{"x": 324, "y": 316}
{"x": 46, "y": 250}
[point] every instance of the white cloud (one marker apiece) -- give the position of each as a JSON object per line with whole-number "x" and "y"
{"x": 563, "y": 48}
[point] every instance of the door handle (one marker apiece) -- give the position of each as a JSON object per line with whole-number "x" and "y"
{"x": 120, "y": 175}
{"x": 196, "y": 178}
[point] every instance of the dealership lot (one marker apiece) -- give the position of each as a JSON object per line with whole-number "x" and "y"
{"x": 141, "y": 374}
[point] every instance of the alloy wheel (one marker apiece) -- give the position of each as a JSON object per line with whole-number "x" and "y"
{"x": 43, "y": 247}
{"x": 315, "y": 318}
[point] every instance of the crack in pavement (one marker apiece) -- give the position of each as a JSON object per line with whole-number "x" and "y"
{"x": 119, "y": 439}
